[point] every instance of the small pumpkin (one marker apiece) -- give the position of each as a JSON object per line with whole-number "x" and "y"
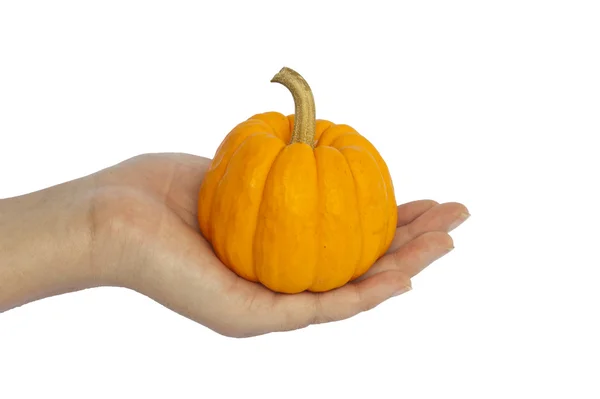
{"x": 297, "y": 203}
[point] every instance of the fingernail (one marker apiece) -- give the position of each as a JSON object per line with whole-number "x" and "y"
{"x": 402, "y": 290}
{"x": 463, "y": 216}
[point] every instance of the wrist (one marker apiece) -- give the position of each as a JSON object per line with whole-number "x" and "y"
{"x": 45, "y": 244}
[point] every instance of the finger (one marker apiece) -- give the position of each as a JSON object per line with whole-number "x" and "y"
{"x": 415, "y": 256}
{"x": 292, "y": 312}
{"x": 412, "y": 210}
{"x": 444, "y": 217}
{"x": 362, "y": 296}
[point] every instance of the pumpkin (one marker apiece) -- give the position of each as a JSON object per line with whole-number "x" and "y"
{"x": 296, "y": 203}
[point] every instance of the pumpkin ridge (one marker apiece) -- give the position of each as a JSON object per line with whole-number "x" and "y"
{"x": 389, "y": 188}
{"x": 260, "y": 205}
{"x": 345, "y": 131}
{"x": 387, "y": 199}
{"x": 215, "y": 174}
{"x": 360, "y": 227}
{"x": 318, "y": 142}
{"x": 263, "y": 118}
{"x": 226, "y": 259}
{"x": 341, "y": 136}
{"x": 320, "y": 133}
{"x": 319, "y": 227}
{"x": 382, "y": 248}
{"x": 212, "y": 204}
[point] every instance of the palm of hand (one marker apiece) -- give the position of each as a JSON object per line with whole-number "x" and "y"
{"x": 146, "y": 226}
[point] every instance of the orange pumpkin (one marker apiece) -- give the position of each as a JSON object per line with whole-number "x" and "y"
{"x": 297, "y": 203}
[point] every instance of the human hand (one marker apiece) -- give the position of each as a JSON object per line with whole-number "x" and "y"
{"x": 146, "y": 238}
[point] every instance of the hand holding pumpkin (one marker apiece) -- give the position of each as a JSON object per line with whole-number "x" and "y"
{"x": 148, "y": 240}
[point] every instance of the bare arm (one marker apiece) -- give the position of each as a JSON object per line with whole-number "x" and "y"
{"x": 44, "y": 244}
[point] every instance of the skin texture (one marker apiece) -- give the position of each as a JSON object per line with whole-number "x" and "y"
{"x": 294, "y": 218}
{"x": 135, "y": 225}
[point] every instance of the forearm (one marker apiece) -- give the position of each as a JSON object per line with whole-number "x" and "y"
{"x": 44, "y": 244}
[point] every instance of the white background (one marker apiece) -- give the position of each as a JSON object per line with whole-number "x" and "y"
{"x": 492, "y": 104}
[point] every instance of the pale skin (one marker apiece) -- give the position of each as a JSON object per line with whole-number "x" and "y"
{"x": 134, "y": 225}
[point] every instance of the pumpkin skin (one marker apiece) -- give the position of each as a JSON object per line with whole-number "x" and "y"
{"x": 294, "y": 217}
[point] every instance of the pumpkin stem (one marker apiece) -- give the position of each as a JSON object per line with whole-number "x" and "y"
{"x": 305, "y": 114}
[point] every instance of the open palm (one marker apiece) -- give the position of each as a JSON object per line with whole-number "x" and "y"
{"x": 147, "y": 231}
